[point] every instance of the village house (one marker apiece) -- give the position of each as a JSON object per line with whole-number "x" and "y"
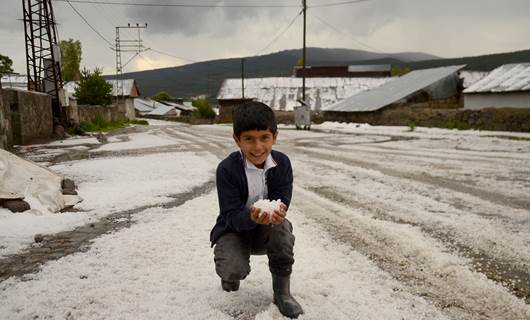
{"x": 427, "y": 88}
{"x": 283, "y": 93}
{"x": 508, "y": 86}
{"x": 122, "y": 109}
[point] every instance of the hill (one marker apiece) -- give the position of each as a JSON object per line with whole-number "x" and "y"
{"x": 206, "y": 77}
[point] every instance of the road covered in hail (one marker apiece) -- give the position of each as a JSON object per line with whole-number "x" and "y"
{"x": 389, "y": 223}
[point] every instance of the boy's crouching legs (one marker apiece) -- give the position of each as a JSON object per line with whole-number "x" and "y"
{"x": 231, "y": 256}
{"x": 280, "y": 246}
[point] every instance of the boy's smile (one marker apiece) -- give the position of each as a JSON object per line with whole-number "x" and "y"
{"x": 256, "y": 145}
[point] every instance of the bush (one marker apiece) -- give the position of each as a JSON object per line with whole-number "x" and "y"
{"x": 140, "y": 122}
{"x": 204, "y": 110}
{"x": 93, "y": 89}
{"x": 412, "y": 126}
{"x": 162, "y": 96}
{"x": 101, "y": 124}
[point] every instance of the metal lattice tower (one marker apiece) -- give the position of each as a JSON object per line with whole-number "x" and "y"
{"x": 135, "y": 46}
{"x": 42, "y": 51}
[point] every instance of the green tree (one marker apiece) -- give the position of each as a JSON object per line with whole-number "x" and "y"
{"x": 162, "y": 96}
{"x": 93, "y": 89}
{"x": 6, "y": 64}
{"x": 71, "y": 59}
{"x": 204, "y": 110}
{"x": 398, "y": 72}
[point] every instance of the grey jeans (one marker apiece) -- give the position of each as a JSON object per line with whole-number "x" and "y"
{"x": 232, "y": 251}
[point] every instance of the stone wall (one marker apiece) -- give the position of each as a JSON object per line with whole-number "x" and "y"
{"x": 27, "y": 116}
{"x": 500, "y": 119}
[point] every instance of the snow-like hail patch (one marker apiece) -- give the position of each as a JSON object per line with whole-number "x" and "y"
{"x": 138, "y": 141}
{"x": 267, "y": 207}
{"x": 108, "y": 185}
{"x": 162, "y": 268}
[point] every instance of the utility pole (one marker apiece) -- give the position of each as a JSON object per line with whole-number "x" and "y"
{"x": 242, "y": 78}
{"x": 43, "y": 54}
{"x": 304, "y": 53}
{"x": 135, "y": 46}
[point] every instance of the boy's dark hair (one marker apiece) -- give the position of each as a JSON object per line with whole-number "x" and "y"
{"x": 253, "y": 115}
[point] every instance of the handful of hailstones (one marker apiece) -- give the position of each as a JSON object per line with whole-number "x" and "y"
{"x": 267, "y": 207}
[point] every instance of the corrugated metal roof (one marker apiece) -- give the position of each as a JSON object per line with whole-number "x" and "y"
{"x": 370, "y": 68}
{"x": 161, "y": 110}
{"x": 393, "y": 91}
{"x": 506, "y": 78}
{"x": 281, "y": 93}
{"x": 472, "y": 77}
{"x": 181, "y": 106}
{"x": 143, "y": 105}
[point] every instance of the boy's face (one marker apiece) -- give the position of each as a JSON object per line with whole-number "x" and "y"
{"x": 256, "y": 145}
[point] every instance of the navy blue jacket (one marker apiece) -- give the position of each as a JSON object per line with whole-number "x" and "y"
{"x": 232, "y": 190}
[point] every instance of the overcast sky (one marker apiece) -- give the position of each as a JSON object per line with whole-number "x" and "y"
{"x": 449, "y": 28}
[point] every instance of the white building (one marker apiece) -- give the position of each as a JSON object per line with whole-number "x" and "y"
{"x": 508, "y": 86}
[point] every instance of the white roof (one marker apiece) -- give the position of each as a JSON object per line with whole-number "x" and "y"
{"x": 506, "y": 78}
{"x": 393, "y": 91}
{"x": 180, "y": 106}
{"x": 282, "y": 93}
{"x": 472, "y": 77}
{"x": 70, "y": 87}
{"x": 143, "y": 105}
{"x": 161, "y": 110}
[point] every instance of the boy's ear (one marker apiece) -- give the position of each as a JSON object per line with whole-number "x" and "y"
{"x": 236, "y": 139}
{"x": 274, "y": 137}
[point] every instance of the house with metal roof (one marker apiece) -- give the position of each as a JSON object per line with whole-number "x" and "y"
{"x": 164, "y": 111}
{"x": 130, "y": 89}
{"x": 282, "y": 93}
{"x": 508, "y": 86}
{"x": 14, "y": 81}
{"x": 418, "y": 86}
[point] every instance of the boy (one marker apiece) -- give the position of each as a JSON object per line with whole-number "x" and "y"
{"x": 244, "y": 177}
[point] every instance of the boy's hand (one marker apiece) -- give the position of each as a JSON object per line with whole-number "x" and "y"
{"x": 279, "y": 215}
{"x": 255, "y": 216}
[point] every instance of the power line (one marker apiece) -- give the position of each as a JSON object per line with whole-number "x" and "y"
{"x": 280, "y": 34}
{"x": 170, "y": 55}
{"x": 336, "y": 4}
{"x": 181, "y": 5}
{"x": 349, "y": 33}
{"x": 91, "y": 27}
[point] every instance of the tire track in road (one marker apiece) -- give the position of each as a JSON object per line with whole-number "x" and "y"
{"x": 438, "y": 182}
{"x": 420, "y": 263}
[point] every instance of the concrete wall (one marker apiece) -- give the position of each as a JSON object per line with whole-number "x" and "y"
{"x": 497, "y": 100}
{"x": 122, "y": 111}
{"x": 6, "y": 135}
{"x": 29, "y": 116}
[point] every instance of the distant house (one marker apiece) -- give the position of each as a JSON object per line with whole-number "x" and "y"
{"x": 130, "y": 88}
{"x": 433, "y": 88}
{"x": 144, "y": 106}
{"x": 164, "y": 111}
{"x": 282, "y": 93}
{"x": 184, "y": 110}
{"x": 506, "y": 86}
{"x": 352, "y": 71}
{"x": 14, "y": 81}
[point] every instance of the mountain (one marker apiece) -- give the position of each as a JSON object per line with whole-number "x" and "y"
{"x": 206, "y": 77}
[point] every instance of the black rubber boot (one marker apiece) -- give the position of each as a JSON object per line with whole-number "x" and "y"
{"x": 230, "y": 285}
{"x": 287, "y": 305}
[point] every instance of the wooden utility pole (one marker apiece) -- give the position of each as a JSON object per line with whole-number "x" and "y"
{"x": 304, "y": 52}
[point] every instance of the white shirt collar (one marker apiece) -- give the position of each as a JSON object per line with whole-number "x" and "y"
{"x": 269, "y": 163}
